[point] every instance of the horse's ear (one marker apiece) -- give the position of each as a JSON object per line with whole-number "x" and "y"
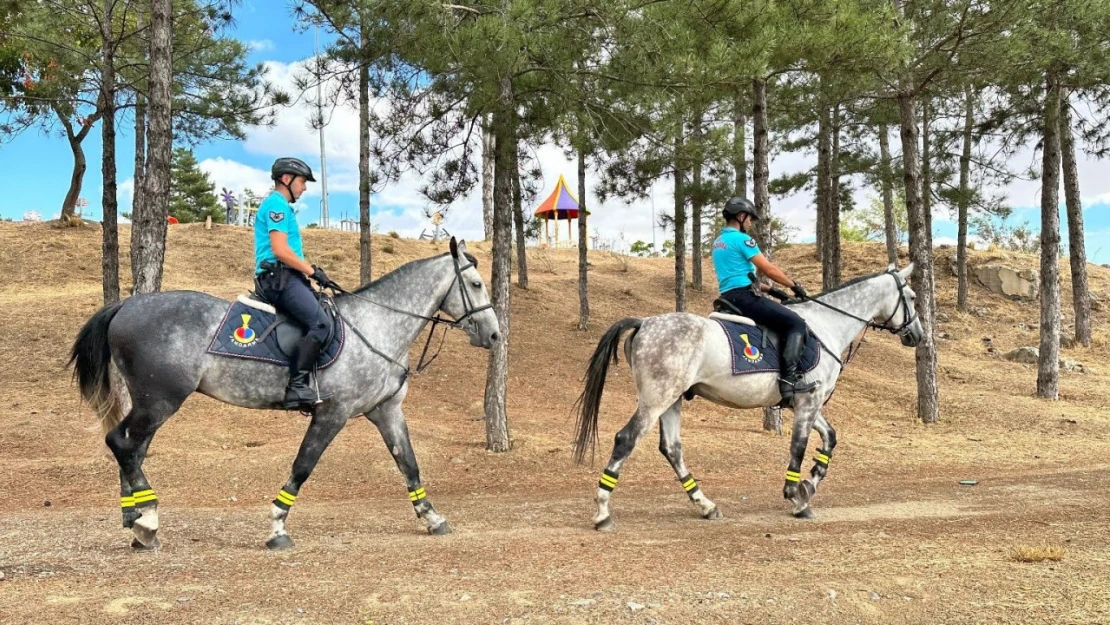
{"x": 906, "y": 271}
{"x": 891, "y": 267}
{"x": 454, "y": 247}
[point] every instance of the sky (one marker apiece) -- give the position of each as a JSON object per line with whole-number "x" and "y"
{"x": 42, "y": 165}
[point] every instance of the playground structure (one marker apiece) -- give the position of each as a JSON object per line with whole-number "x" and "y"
{"x": 560, "y": 205}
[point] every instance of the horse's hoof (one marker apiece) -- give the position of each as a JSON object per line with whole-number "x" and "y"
{"x": 129, "y": 519}
{"x": 281, "y": 541}
{"x": 145, "y": 536}
{"x": 152, "y": 546}
{"x": 713, "y": 515}
{"x": 606, "y": 525}
{"x": 440, "y": 530}
{"x": 804, "y": 513}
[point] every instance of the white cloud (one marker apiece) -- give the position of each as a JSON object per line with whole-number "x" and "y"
{"x": 259, "y": 45}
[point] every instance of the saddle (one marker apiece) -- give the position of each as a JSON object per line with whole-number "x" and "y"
{"x": 754, "y": 349}
{"x": 253, "y": 329}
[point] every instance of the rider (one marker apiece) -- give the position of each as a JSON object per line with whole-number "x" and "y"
{"x": 283, "y": 274}
{"x": 736, "y": 255}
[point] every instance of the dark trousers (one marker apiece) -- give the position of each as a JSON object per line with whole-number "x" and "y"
{"x": 766, "y": 312}
{"x": 291, "y": 294}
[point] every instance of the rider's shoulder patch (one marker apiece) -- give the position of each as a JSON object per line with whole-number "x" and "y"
{"x": 750, "y": 242}
{"x": 277, "y": 216}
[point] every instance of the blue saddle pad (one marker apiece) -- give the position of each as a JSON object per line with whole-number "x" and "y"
{"x": 246, "y": 332}
{"x": 751, "y": 355}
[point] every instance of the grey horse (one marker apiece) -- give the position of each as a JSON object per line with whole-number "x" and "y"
{"x": 138, "y": 360}
{"x": 681, "y": 354}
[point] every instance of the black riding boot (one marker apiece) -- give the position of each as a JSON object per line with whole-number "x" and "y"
{"x": 301, "y": 392}
{"x": 791, "y": 383}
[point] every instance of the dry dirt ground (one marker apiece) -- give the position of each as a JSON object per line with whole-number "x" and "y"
{"x": 896, "y": 538}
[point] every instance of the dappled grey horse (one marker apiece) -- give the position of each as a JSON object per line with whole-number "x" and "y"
{"x": 138, "y": 360}
{"x": 679, "y": 354}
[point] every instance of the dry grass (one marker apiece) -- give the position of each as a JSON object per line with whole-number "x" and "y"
{"x": 524, "y": 550}
{"x": 1038, "y": 553}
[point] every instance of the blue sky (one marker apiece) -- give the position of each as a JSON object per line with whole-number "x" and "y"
{"x": 42, "y": 165}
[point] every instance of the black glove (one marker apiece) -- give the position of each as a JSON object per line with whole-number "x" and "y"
{"x": 323, "y": 280}
{"x": 778, "y": 294}
{"x": 799, "y": 290}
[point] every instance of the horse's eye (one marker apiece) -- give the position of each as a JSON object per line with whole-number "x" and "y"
{"x": 476, "y": 284}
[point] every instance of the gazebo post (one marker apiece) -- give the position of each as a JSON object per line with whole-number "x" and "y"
{"x": 556, "y": 229}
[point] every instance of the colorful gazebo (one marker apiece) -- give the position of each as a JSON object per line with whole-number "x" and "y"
{"x": 561, "y": 204}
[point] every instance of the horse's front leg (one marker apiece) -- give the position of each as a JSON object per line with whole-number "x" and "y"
{"x": 390, "y": 421}
{"x": 794, "y": 490}
{"x": 824, "y": 453}
{"x": 326, "y": 423}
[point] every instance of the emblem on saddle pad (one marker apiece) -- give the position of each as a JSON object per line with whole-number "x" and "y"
{"x": 751, "y": 352}
{"x": 244, "y": 334}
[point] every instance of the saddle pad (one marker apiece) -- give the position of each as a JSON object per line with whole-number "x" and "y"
{"x": 240, "y": 335}
{"x": 750, "y": 355}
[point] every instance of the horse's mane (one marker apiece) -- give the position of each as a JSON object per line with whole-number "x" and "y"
{"x": 403, "y": 269}
{"x": 851, "y": 282}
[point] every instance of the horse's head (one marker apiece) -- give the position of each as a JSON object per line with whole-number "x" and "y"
{"x": 468, "y": 302}
{"x": 897, "y": 312}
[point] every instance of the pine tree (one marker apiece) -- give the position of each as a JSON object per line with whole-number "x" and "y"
{"x": 192, "y": 194}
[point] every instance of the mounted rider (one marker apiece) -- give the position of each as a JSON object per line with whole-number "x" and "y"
{"x": 736, "y": 256}
{"x": 282, "y": 275}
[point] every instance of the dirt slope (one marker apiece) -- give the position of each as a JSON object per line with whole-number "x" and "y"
{"x": 896, "y": 540}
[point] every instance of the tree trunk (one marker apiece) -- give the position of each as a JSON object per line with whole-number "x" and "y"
{"x": 830, "y": 241}
{"x": 109, "y": 250}
{"x": 139, "y": 177}
{"x": 365, "y": 266}
{"x": 885, "y": 180}
{"x": 696, "y": 206}
{"x": 583, "y": 239}
{"x": 148, "y": 233}
{"x": 1081, "y": 295}
{"x": 921, "y": 254}
{"x": 761, "y": 173}
{"x": 1048, "y": 363}
{"x": 824, "y": 174}
{"x": 488, "y": 146}
{"x": 772, "y": 416}
{"x": 739, "y": 146}
{"x": 964, "y": 202}
{"x": 927, "y": 168}
{"x": 497, "y": 420}
{"x": 679, "y": 227}
{"x": 518, "y": 220}
{"x": 69, "y": 204}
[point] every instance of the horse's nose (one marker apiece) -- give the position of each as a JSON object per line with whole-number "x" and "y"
{"x": 493, "y": 338}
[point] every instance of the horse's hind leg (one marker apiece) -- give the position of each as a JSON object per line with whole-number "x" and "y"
{"x": 129, "y": 442}
{"x": 822, "y": 455}
{"x": 390, "y": 421}
{"x": 326, "y": 423}
{"x": 623, "y": 444}
{"x": 670, "y": 446}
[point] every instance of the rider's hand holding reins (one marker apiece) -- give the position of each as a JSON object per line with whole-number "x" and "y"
{"x": 323, "y": 280}
{"x": 799, "y": 290}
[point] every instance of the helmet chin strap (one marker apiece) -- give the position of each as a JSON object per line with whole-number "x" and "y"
{"x": 292, "y": 197}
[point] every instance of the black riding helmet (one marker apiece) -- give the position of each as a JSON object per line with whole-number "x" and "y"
{"x": 290, "y": 165}
{"x": 737, "y": 205}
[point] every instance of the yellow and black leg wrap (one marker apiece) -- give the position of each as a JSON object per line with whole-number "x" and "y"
{"x": 608, "y": 480}
{"x": 822, "y": 458}
{"x": 793, "y": 477}
{"x": 127, "y": 502}
{"x": 285, "y": 499}
{"x": 690, "y": 485}
{"x": 417, "y": 495}
{"x": 139, "y": 499}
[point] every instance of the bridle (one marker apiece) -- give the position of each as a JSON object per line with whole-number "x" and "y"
{"x": 909, "y": 315}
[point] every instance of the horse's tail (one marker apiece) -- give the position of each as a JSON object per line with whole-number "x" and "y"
{"x": 589, "y": 401}
{"x": 91, "y": 359}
